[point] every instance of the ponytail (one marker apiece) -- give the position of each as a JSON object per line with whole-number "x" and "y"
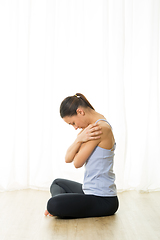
{"x": 70, "y": 104}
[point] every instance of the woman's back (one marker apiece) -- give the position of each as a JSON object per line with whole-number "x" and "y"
{"x": 107, "y": 138}
{"x": 99, "y": 177}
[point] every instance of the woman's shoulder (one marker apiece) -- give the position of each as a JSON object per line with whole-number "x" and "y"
{"x": 104, "y": 125}
{"x": 107, "y": 137}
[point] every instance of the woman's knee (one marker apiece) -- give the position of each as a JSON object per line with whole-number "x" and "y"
{"x": 51, "y": 206}
{"x": 55, "y": 182}
{"x": 54, "y": 207}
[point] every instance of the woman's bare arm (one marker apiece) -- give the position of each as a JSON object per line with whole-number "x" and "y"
{"x": 84, "y": 152}
{"x": 92, "y": 132}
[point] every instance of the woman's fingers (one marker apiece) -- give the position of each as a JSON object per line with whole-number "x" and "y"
{"x": 95, "y": 132}
{"x": 95, "y": 129}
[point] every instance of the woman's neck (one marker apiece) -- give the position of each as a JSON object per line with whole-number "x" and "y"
{"x": 93, "y": 116}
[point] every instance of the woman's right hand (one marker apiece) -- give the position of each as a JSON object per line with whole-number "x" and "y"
{"x": 92, "y": 132}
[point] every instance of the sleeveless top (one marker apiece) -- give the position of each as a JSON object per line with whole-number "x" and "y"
{"x": 99, "y": 177}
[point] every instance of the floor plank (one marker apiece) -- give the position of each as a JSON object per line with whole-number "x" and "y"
{"x": 22, "y": 218}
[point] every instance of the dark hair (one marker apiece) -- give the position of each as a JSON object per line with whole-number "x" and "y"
{"x": 70, "y": 104}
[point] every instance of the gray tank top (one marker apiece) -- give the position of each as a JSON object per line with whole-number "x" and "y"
{"x": 99, "y": 177}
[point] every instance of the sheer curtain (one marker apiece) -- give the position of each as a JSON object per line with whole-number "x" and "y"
{"x": 109, "y": 51}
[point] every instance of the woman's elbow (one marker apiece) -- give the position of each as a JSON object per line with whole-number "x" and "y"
{"x": 68, "y": 160}
{"x": 77, "y": 164}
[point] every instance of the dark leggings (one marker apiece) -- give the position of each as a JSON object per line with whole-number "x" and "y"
{"x": 69, "y": 201}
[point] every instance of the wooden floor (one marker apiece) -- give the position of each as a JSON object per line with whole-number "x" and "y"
{"x": 21, "y": 218}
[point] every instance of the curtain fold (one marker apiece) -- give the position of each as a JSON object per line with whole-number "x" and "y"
{"x": 109, "y": 51}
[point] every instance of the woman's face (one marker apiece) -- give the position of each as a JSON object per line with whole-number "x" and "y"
{"x": 77, "y": 121}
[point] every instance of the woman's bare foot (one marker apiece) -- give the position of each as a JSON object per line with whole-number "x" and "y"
{"x": 46, "y": 213}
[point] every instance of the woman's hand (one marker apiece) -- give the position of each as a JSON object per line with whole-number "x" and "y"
{"x": 92, "y": 132}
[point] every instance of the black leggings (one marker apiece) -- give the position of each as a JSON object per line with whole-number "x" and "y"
{"x": 69, "y": 201}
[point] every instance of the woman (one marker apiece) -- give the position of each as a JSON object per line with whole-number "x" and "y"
{"x": 94, "y": 147}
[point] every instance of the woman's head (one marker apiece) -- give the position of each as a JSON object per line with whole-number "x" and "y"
{"x": 70, "y": 105}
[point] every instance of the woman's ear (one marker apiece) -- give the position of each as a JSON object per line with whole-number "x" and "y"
{"x": 80, "y": 111}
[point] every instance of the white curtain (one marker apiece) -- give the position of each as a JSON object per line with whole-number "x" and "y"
{"x": 109, "y": 50}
